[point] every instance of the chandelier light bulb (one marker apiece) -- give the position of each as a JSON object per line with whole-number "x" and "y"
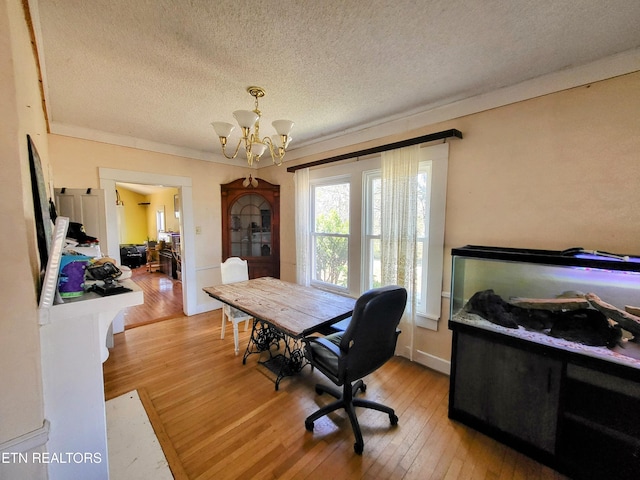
{"x": 246, "y": 118}
{"x": 223, "y": 129}
{"x": 258, "y": 148}
{"x": 283, "y": 127}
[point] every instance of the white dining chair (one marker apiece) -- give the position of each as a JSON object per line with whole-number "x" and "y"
{"x": 234, "y": 270}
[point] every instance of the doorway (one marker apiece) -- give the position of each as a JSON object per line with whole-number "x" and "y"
{"x": 108, "y": 179}
{"x": 149, "y": 235}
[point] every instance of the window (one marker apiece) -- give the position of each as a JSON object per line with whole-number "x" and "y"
{"x": 372, "y": 271}
{"x": 345, "y": 219}
{"x": 330, "y": 233}
{"x": 160, "y": 220}
{"x": 372, "y": 250}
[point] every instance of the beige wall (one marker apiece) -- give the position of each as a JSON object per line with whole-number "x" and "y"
{"x": 21, "y": 401}
{"x": 552, "y": 172}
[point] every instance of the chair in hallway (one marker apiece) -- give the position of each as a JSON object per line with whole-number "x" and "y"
{"x": 346, "y": 357}
{"x": 234, "y": 270}
{"x": 153, "y": 259}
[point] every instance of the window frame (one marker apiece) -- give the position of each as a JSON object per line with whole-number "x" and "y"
{"x": 368, "y": 177}
{"x": 358, "y": 173}
{"x": 313, "y": 235}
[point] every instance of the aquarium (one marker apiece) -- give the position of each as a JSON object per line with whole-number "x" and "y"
{"x": 578, "y": 300}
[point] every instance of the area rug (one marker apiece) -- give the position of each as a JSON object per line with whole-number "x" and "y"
{"x": 134, "y": 450}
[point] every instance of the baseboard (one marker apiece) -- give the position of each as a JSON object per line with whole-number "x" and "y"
{"x": 431, "y": 361}
{"x": 435, "y": 363}
{"x": 28, "y": 441}
{"x": 403, "y": 351}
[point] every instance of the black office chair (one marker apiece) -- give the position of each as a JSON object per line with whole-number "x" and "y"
{"x": 346, "y": 357}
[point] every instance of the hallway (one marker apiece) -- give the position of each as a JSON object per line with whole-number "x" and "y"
{"x": 162, "y": 298}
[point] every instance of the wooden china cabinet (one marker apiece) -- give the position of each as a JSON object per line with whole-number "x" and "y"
{"x": 251, "y": 226}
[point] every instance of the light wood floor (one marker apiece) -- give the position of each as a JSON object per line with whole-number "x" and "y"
{"x": 217, "y": 418}
{"x": 162, "y": 298}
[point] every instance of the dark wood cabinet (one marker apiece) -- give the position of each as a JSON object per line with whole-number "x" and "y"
{"x": 166, "y": 259}
{"x": 508, "y": 388}
{"x": 251, "y": 226}
{"x": 576, "y": 413}
{"x": 600, "y": 436}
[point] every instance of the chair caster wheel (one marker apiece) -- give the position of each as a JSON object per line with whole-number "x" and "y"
{"x": 393, "y": 419}
{"x": 319, "y": 391}
{"x": 363, "y": 387}
{"x": 308, "y": 426}
{"x": 358, "y": 447}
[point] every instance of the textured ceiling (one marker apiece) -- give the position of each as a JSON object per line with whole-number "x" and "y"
{"x": 161, "y": 71}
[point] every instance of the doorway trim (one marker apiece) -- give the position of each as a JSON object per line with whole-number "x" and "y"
{"x": 108, "y": 179}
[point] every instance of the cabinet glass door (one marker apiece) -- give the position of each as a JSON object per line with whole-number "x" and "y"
{"x": 250, "y": 227}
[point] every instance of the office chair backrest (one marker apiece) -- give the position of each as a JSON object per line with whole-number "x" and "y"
{"x": 234, "y": 270}
{"x": 370, "y": 339}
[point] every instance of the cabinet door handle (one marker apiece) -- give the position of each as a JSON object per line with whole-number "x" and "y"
{"x": 549, "y": 381}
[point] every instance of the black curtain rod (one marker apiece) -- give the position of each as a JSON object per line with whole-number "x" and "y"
{"x": 382, "y": 148}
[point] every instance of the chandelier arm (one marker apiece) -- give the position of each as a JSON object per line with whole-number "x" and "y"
{"x": 248, "y": 141}
{"x": 276, "y": 158}
{"x": 235, "y": 154}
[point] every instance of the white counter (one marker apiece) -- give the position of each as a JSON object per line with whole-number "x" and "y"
{"x": 73, "y": 339}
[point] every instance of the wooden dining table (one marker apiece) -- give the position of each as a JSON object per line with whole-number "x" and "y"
{"x": 283, "y": 311}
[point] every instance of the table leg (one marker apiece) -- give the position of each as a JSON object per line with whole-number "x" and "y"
{"x": 289, "y": 362}
{"x": 263, "y": 337}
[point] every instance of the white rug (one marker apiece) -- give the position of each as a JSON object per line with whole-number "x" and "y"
{"x": 134, "y": 450}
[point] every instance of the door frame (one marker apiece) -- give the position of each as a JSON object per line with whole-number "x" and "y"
{"x": 108, "y": 179}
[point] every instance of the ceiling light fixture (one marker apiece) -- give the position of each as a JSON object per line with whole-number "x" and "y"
{"x": 254, "y": 146}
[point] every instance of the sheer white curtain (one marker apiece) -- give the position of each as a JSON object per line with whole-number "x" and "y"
{"x": 303, "y": 259}
{"x": 399, "y": 228}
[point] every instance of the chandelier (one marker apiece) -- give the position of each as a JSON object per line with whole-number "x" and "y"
{"x": 254, "y": 146}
